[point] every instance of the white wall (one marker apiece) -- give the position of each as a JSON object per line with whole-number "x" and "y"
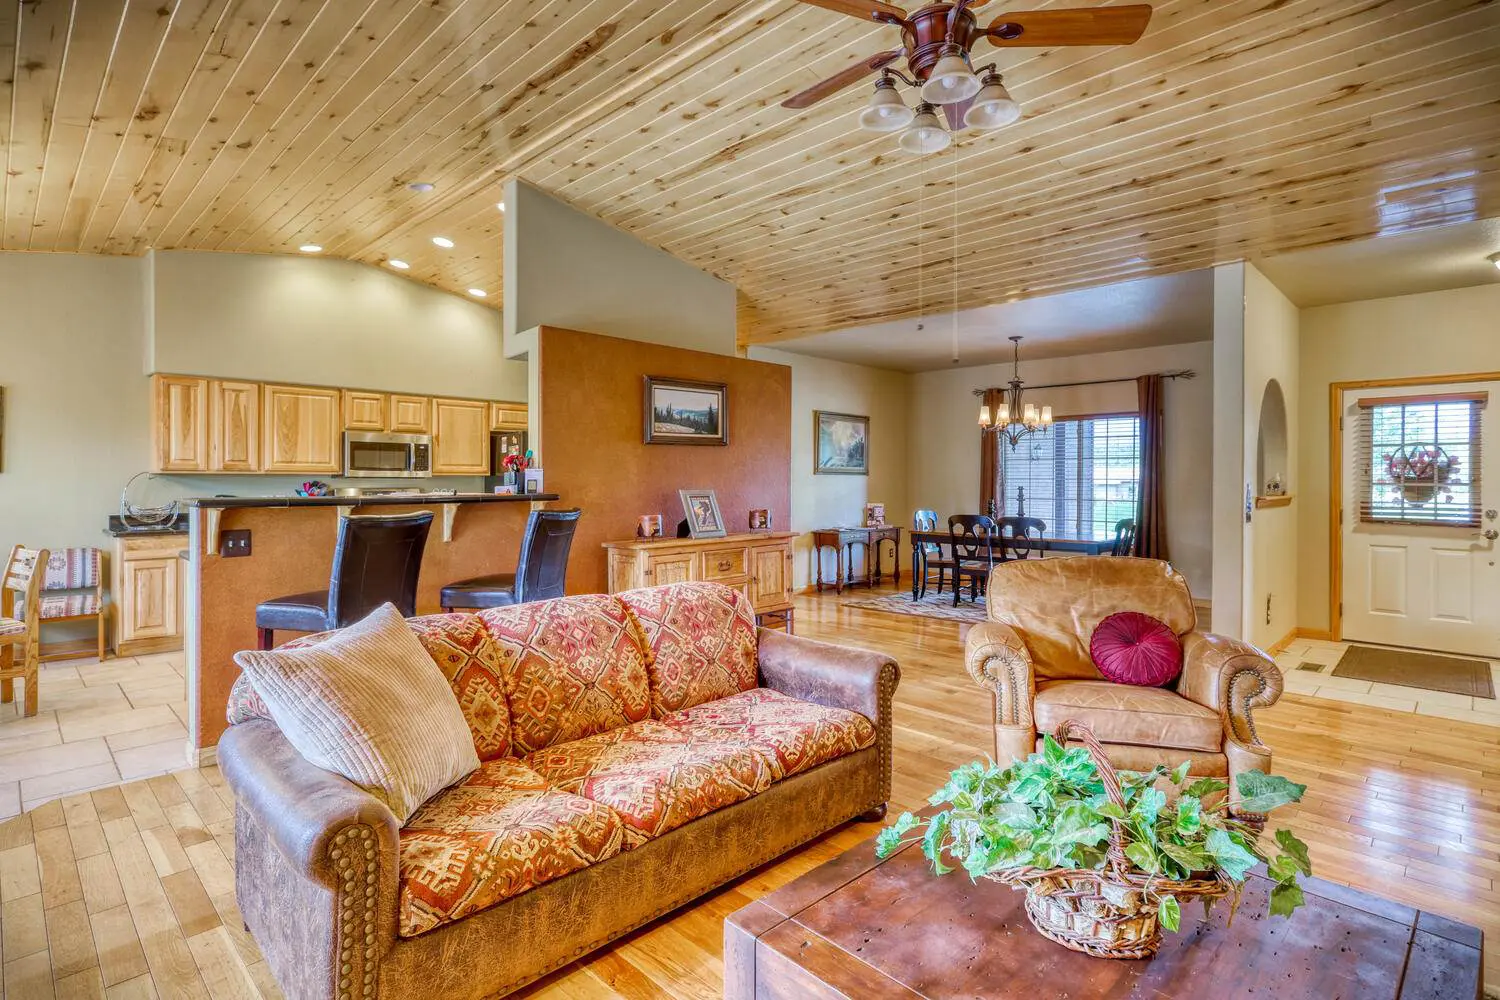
{"x": 1269, "y": 541}
{"x": 323, "y": 321}
{"x": 1228, "y": 462}
{"x": 823, "y": 501}
{"x": 1433, "y": 333}
{"x": 944, "y": 437}
{"x": 568, "y": 269}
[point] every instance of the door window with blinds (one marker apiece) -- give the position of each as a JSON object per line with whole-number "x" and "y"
{"x": 1082, "y": 477}
{"x": 1419, "y": 458}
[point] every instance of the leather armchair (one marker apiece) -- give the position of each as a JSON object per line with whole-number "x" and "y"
{"x": 1032, "y": 655}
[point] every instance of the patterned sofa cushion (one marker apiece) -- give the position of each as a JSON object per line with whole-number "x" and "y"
{"x": 68, "y": 606}
{"x": 472, "y": 661}
{"x": 794, "y": 736}
{"x": 702, "y": 642}
{"x": 654, "y": 776}
{"x": 572, "y": 667}
{"x": 501, "y": 831}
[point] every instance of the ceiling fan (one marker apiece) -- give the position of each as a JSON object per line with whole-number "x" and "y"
{"x": 937, "y": 41}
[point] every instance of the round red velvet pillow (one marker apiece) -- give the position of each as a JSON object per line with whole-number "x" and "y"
{"x": 1133, "y": 648}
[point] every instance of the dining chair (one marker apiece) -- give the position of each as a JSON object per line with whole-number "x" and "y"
{"x": 73, "y": 590}
{"x": 1124, "y": 538}
{"x": 541, "y": 572}
{"x": 930, "y": 554}
{"x": 1021, "y": 537}
{"x": 972, "y": 538}
{"x": 376, "y": 561}
{"x": 19, "y": 590}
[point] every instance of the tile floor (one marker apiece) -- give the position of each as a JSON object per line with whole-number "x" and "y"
{"x": 1485, "y": 711}
{"x": 99, "y": 724}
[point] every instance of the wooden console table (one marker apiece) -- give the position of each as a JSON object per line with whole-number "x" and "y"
{"x": 843, "y": 540}
{"x": 757, "y": 562}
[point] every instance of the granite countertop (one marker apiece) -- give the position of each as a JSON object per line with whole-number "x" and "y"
{"x": 231, "y": 503}
{"x": 117, "y": 528}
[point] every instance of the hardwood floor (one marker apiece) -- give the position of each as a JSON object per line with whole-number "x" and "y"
{"x": 128, "y": 892}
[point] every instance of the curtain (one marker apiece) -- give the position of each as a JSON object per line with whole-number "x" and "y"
{"x": 989, "y": 458}
{"x": 1151, "y": 518}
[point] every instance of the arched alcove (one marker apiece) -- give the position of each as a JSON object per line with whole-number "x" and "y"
{"x": 1271, "y": 445}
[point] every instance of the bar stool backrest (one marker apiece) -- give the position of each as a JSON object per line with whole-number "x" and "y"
{"x": 542, "y": 571}
{"x": 377, "y": 559}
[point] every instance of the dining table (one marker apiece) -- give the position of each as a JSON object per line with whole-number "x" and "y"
{"x": 921, "y": 539}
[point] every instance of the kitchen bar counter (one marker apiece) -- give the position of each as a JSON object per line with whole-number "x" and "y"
{"x": 291, "y": 543}
{"x": 373, "y": 500}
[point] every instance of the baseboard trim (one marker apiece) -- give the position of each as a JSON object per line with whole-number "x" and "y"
{"x": 208, "y": 756}
{"x": 1280, "y": 645}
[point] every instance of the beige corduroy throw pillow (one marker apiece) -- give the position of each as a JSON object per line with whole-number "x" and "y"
{"x": 370, "y": 704}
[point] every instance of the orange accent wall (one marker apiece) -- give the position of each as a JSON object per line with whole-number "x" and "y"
{"x": 591, "y": 393}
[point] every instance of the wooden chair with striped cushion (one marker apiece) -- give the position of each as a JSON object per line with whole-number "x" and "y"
{"x": 73, "y": 591}
{"x": 19, "y": 591}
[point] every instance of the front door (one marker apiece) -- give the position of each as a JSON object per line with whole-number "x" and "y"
{"x": 1419, "y": 551}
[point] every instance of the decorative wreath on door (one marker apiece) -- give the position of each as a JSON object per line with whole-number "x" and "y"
{"x": 1421, "y": 472}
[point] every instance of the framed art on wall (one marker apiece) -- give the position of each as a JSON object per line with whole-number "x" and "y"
{"x": 841, "y": 445}
{"x": 702, "y": 510}
{"x": 679, "y": 411}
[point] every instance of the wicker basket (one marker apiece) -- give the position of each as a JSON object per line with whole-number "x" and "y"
{"x": 1110, "y": 913}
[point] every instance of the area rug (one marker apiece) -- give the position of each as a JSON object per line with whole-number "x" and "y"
{"x": 931, "y": 606}
{"x": 1455, "y": 675}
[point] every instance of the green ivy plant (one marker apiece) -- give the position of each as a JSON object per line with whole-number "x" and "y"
{"x": 1051, "y": 811}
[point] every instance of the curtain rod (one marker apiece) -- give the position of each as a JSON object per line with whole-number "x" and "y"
{"x": 1180, "y": 373}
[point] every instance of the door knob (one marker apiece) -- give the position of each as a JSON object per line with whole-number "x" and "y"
{"x": 1490, "y": 534}
{"x": 1491, "y": 513}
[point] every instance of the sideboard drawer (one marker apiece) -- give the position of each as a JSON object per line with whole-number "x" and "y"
{"x": 724, "y": 564}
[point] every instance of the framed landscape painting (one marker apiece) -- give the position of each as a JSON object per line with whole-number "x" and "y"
{"x": 842, "y": 445}
{"x": 682, "y": 412}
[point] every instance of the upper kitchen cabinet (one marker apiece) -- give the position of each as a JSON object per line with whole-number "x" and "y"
{"x": 234, "y": 426}
{"x": 364, "y": 411}
{"x": 410, "y": 414}
{"x": 507, "y": 416}
{"x": 179, "y": 424}
{"x": 302, "y": 429}
{"x": 460, "y": 437}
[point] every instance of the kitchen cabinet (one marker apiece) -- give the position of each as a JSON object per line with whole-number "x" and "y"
{"x": 364, "y": 411}
{"x": 410, "y": 414}
{"x": 508, "y": 416}
{"x": 460, "y": 437}
{"x": 179, "y": 424}
{"x": 234, "y": 426}
{"x": 757, "y": 563}
{"x": 146, "y": 594}
{"x": 301, "y": 429}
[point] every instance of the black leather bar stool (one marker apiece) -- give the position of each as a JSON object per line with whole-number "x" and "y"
{"x": 539, "y": 576}
{"x": 376, "y": 560}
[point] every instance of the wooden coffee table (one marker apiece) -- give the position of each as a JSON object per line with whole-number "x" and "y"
{"x": 861, "y": 928}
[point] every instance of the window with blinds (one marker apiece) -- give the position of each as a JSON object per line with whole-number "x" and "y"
{"x": 1082, "y": 477}
{"x": 1418, "y": 459}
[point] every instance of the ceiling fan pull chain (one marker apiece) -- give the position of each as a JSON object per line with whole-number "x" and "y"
{"x": 957, "y": 145}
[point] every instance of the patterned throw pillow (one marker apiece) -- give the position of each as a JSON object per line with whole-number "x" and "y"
{"x": 368, "y": 703}
{"x": 1133, "y": 648}
{"x": 702, "y": 641}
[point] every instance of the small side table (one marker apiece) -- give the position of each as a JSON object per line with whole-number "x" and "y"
{"x": 842, "y": 541}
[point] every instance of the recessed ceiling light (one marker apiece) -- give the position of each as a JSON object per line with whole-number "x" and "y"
{"x": 421, "y": 186}
{"x": 310, "y": 248}
{"x": 443, "y": 242}
{"x": 399, "y": 265}
{"x": 501, "y": 206}
{"x": 478, "y": 293}
{"x": 1494, "y": 258}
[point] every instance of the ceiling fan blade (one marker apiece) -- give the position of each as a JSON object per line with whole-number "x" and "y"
{"x": 1081, "y": 26}
{"x": 955, "y": 114}
{"x": 812, "y": 95}
{"x": 869, "y": 10}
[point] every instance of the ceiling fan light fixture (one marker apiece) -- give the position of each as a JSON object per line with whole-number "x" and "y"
{"x": 925, "y": 134}
{"x": 951, "y": 80}
{"x": 994, "y": 107}
{"x": 886, "y": 112}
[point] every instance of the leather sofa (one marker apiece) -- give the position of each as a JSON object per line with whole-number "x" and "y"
{"x": 636, "y": 751}
{"x": 1033, "y": 655}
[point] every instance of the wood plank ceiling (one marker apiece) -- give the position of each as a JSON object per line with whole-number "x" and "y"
{"x": 1233, "y": 129}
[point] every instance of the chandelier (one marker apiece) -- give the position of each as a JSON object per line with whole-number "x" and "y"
{"x": 1015, "y": 419}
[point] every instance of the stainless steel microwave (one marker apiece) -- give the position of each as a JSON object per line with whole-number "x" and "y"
{"x": 373, "y": 454}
